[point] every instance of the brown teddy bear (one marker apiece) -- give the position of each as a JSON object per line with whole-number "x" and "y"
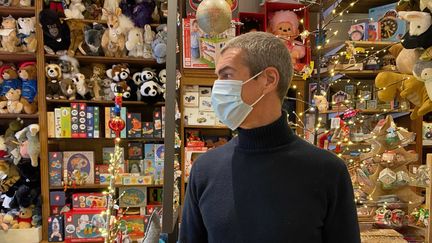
{"x": 68, "y": 89}
{"x": 10, "y": 41}
{"x": 13, "y": 104}
{"x": 24, "y": 218}
{"x": 9, "y": 175}
{"x": 28, "y": 74}
{"x": 53, "y": 74}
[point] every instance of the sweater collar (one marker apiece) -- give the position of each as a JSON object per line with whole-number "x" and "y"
{"x": 270, "y": 136}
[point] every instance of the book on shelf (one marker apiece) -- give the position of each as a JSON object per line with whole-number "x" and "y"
{"x": 57, "y": 122}
{"x": 65, "y": 122}
{"x": 51, "y": 125}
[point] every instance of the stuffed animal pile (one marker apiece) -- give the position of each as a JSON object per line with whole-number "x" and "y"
{"x": 65, "y": 80}
{"x": 127, "y": 33}
{"x": 18, "y": 35}
{"x": 20, "y": 203}
{"x": 18, "y": 91}
{"x": 413, "y": 61}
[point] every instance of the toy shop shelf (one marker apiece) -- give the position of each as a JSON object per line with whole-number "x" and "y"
{"x": 23, "y": 116}
{"x": 359, "y": 74}
{"x": 91, "y": 21}
{"x": 365, "y": 111}
{"x": 204, "y": 127}
{"x": 17, "y": 11}
{"x": 17, "y": 56}
{"x": 102, "y": 140}
{"x": 359, "y": 7}
{"x": 98, "y": 186}
{"x": 417, "y": 227}
{"x": 111, "y": 60}
{"x": 368, "y": 44}
{"x": 103, "y": 102}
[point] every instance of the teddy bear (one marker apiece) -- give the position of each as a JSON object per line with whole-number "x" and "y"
{"x": 3, "y": 225}
{"x": 420, "y": 29}
{"x": 75, "y": 10}
{"x": 29, "y": 143}
{"x": 114, "y": 38}
{"x": 10, "y": 41}
{"x": 26, "y": 34}
{"x": 69, "y": 66}
{"x": 28, "y": 74}
{"x": 285, "y": 24}
{"x": 93, "y": 9}
{"x": 68, "y": 89}
{"x": 9, "y": 175}
{"x": 10, "y": 79}
{"x": 95, "y": 80}
{"x": 13, "y": 104}
{"x": 83, "y": 91}
{"x": 54, "y": 75}
{"x": 135, "y": 43}
{"x": 120, "y": 74}
{"x": 56, "y": 34}
{"x": 107, "y": 92}
{"x": 24, "y": 218}
{"x": 142, "y": 12}
{"x": 91, "y": 46}
{"x": 76, "y": 28}
{"x": 159, "y": 44}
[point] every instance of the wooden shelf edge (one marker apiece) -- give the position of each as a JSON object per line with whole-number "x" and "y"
{"x": 103, "y": 102}
{"x": 57, "y": 140}
{"x": 110, "y": 60}
{"x": 100, "y": 186}
{"x": 204, "y": 127}
{"x": 23, "y": 116}
{"x": 18, "y": 11}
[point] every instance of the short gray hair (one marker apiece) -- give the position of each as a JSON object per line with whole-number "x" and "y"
{"x": 262, "y": 50}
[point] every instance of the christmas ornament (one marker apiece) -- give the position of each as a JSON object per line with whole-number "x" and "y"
{"x": 214, "y": 16}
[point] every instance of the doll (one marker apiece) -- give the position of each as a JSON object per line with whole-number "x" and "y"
{"x": 285, "y": 24}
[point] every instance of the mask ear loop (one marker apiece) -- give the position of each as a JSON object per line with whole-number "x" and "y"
{"x": 256, "y": 75}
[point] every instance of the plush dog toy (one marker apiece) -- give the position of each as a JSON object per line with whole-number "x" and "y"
{"x": 13, "y": 104}
{"x": 10, "y": 41}
{"x": 53, "y": 74}
{"x": 68, "y": 89}
{"x": 99, "y": 71}
{"x": 26, "y": 34}
{"x": 91, "y": 46}
{"x": 56, "y": 33}
{"x": 75, "y": 10}
{"x": 114, "y": 38}
{"x": 11, "y": 142}
{"x": 69, "y": 66}
{"x": 107, "y": 92}
{"x": 83, "y": 91}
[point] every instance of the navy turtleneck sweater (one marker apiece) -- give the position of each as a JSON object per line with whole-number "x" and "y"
{"x": 268, "y": 185}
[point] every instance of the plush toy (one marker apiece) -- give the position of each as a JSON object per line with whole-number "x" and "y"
{"x": 149, "y": 36}
{"x": 135, "y": 43}
{"x": 420, "y": 29}
{"x": 25, "y": 3}
{"x": 99, "y": 71}
{"x": 28, "y": 74}
{"x": 9, "y": 175}
{"x": 405, "y": 58}
{"x": 107, "y": 92}
{"x": 109, "y": 6}
{"x": 75, "y": 11}
{"x": 114, "y": 38}
{"x": 91, "y": 46}
{"x": 9, "y": 219}
{"x": 408, "y": 5}
{"x": 10, "y": 41}
{"x": 285, "y": 24}
{"x": 25, "y": 197}
{"x": 423, "y": 72}
{"x": 93, "y": 9}
{"x": 76, "y": 28}
{"x": 127, "y": 7}
{"x": 3, "y": 225}
{"x": 11, "y": 142}
{"x": 3, "y": 149}
{"x": 10, "y": 79}
{"x": 24, "y": 218}
{"x": 149, "y": 87}
{"x": 83, "y": 91}
{"x": 159, "y": 44}
{"x": 142, "y": 12}
{"x": 68, "y": 89}
{"x": 69, "y": 66}
{"x": 13, "y": 104}
{"x": 56, "y": 33}
{"x": 26, "y": 34}
{"x": 120, "y": 74}
{"x": 29, "y": 143}
{"x": 54, "y": 75}
{"x": 321, "y": 102}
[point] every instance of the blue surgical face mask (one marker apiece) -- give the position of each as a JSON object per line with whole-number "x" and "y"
{"x": 228, "y": 104}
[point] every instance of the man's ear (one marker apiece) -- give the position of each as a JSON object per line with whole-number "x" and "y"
{"x": 272, "y": 79}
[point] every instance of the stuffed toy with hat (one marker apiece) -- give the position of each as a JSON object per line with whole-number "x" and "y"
{"x": 28, "y": 74}
{"x": 285, "y": 25}
{"x": 56, "y": 34}
{"x": 10, "y": 79}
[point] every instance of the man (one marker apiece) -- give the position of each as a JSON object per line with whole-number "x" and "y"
{"x": 266, "y": 184}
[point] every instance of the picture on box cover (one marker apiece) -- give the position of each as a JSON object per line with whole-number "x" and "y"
{"x": 134, "y": 166}
{"x": 195, "y": 36}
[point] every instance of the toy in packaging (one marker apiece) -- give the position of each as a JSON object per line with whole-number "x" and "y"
{"x": 149, "y": 150}
{"x": 159, "y": 172}
{"x": 155, "y": 196}
{"x": 90, "y": 121}
{"x": 82, "y": 120}
{"x": 133, "y": 196}
{"x": 149, "y": 167}
{"x": 55, "y": 168}
{"x": 190, "y": 99}
{"x": 157, "y": 118}
{"x": 358, "y": 32}
{"x": 147, "y": 129}
{"x": 57, "y": 198}
{"x": 374, "y": 31}
{"x": 392, "y": 28}
{"x": 159, "y": 152}
{"x": 79, "y": 166}
{"x": 137, "y": 180}
{"x": 84, "y": 226}
{"x": 106, "y": 156}
{"x": 89, "y": 200}
{"x": 134, "y": 225}
{"x": 135, "y": 151}
{"x": 101, "y": 169}
{"x": 55, "y": 228}
{"x": 134, "y": 166}
{"x": 74, "y": 120}
{"x": 133, "y": 125}
{"x": 205, "y": 104}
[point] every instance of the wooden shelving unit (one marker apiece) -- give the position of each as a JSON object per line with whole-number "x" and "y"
{"x": 22, "y": 116}
{"x": 103, "y": 102}
{"x": 16, "y": 57}
{"x": 204, "y": 127}
{"x": 17, "y": 11}
{"x": 99, "y": 186}
{"x": 110, "y": 60}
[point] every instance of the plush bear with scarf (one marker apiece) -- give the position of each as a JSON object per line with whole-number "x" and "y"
{"x": 285, "y": 24}
{"x": 10, "y": 79}
{"x": 26, "y": 34}
{"x": 28, "y": 74}
{"x": 56, "y": 33}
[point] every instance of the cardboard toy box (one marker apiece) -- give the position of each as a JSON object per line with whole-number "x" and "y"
{"x": 55, "y": 228}
{"x": 133, "y": 196}
{"x": 135, "y": 225}
{"x": 84, "y": 226}
{"x": 79, "y": 163}
{"x": 89, "y": 200}
{"x": 57, "y": 198}
{"x": 32, "y": 235}
{"x": 392, "y": 28}
{"x": 55, "y": 168}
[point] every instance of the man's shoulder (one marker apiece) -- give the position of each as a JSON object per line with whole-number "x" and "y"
{"x": 217, "y": 155}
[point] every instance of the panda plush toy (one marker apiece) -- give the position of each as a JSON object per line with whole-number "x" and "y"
{"x": 149, "y": 86}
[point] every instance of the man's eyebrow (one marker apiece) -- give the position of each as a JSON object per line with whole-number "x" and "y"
{"x": 225, "y": 69}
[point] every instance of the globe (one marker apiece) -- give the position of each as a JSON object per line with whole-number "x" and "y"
{"x": 214, "y": 16}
